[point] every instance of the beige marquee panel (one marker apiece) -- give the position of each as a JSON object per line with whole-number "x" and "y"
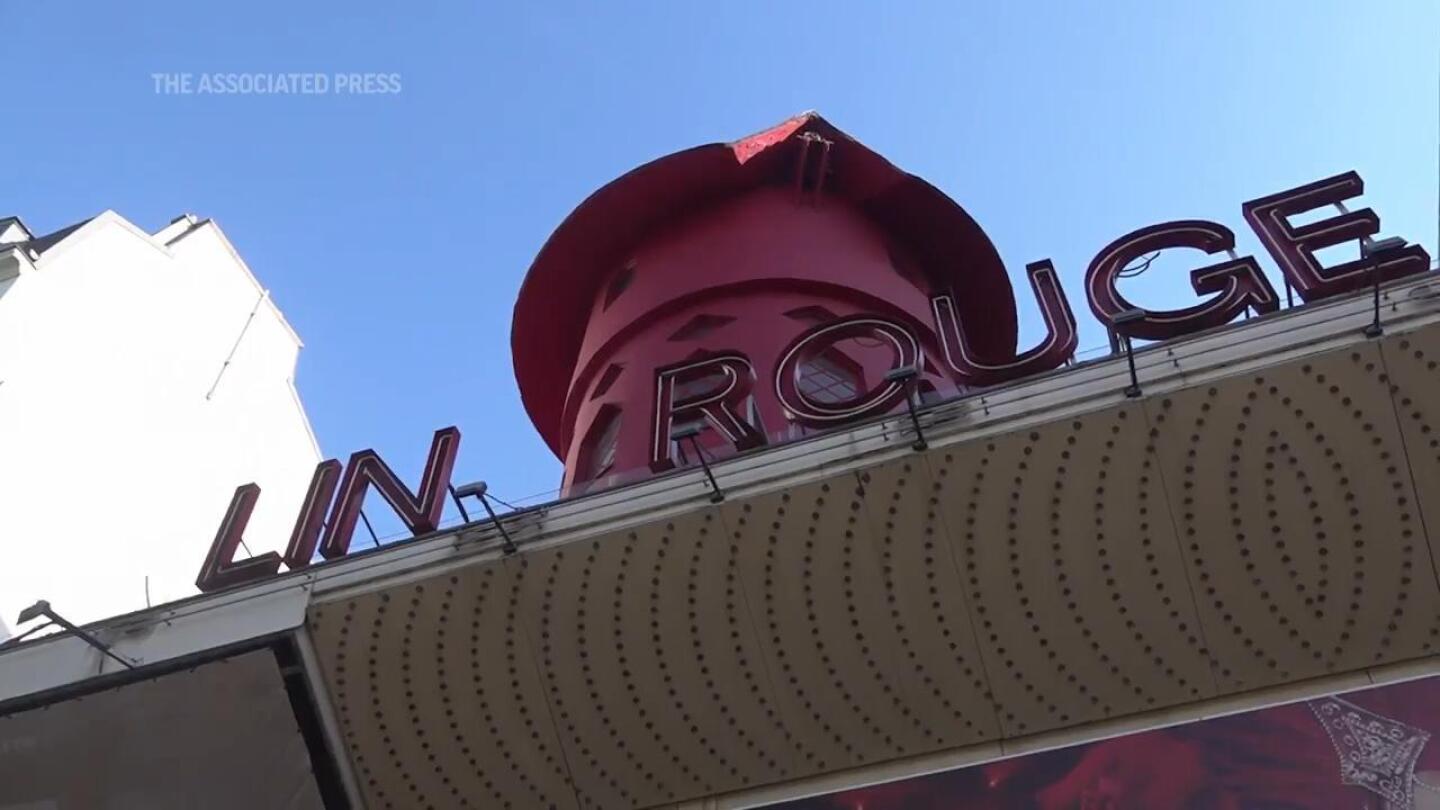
{"x": 1070, "y": 561}
{"x": 438, "y": 698}
{"x": 1298, "y": 520}
{"x": 1257, "y": 530}
{"x": 645, "y": 643}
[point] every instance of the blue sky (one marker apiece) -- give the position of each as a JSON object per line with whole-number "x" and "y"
{"x": 394, "y": 230}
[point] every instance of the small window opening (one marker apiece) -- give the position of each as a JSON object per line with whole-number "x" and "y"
{"x": 829, "y": 378}
{"x": 620, "y": 283}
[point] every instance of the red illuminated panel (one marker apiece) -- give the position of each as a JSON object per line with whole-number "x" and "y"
{"x": 1366, "y": 749}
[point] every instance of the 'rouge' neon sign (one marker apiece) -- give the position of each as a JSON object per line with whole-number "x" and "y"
{"x": 1235, "y": 284}
{"x": 726, "y": 380}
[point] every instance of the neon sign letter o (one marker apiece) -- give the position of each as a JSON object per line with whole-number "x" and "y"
{"x": 814, "y": 341}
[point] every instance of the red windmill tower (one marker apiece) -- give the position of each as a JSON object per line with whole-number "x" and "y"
{"x": 688, "y": 278}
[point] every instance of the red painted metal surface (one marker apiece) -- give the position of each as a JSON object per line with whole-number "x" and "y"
{"x": 738, "y": 248}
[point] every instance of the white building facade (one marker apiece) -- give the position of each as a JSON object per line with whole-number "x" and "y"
{"x": 142, "y": 377}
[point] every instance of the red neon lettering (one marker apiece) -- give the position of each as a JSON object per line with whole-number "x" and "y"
{"x": 420, "y": 513}
{"x": 311, "y": 520}
{"x": 814, "y": 341}
{"x": 220, "y": 570}
{"x": 1294, "y": 247}
{"x": 1058, "y": 346}
{"x": 1239, "y": 282}
{"x": 732, "y": 379}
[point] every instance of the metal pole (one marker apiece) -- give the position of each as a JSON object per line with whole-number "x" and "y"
{"x": 508, "y": 546}
{"x": 87, "y": 638}
{"x": 1133, "y": 389}
{"x": 369, "y": 528}
{"x": 716, "y": 496}
{"x": 458, "y": 505}
{"x": 919, "y": 443}
{"x": 1375, "y": 329}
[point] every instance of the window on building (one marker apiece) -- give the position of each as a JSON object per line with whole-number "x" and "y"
{"x": 713, "y": 441}
{"x": 811, "y": 314}
{"x": 598, "y": 452}
{"x": 619, "y": 283}
{"x": 607, "y": 379}
{"x": 699, "y": 326}
{"x": 829, "y": 378}
{"x": 689, "y": 389}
